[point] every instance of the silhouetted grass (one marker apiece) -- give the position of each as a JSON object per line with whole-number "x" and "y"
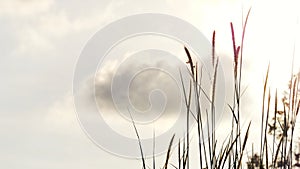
{"x": 279, "y": 133}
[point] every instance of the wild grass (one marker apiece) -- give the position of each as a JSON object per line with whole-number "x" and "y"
{"x": 276, "y": 135}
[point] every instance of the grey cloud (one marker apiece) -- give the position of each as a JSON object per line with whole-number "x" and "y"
{"x": 146, "y": 83}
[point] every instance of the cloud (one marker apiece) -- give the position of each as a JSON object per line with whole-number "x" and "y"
{"x": 37, "y": 26}
{"x": 147, "y": 83}
{"x": 136, "y": 77}
{"x": 21, "y": 8}
{"x": 39, "y": 47}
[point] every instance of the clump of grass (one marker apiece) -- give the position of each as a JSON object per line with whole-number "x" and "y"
{"x": 282, "y": 126}
{"x": 231, "y": 153}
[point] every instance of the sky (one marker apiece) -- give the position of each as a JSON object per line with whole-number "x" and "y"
{"x": 41, "y": 42}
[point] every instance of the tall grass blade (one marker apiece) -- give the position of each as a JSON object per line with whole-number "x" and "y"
{"x": 169, "y": 152}
{"x": 153, "y": 162}
{"x": 244, "y": 146}
{"x": 263, "y": 115}
{"x": 139, "y": 140}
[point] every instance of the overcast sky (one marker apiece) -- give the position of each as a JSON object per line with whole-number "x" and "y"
{"x": 41, "y": 40}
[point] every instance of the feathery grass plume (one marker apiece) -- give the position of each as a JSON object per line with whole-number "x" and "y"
{"x": 190, "y": 61}
{"x": 213, "y": 47}
{"x": 235, "y": 50}
{"x": 235, "y": 109}
{"x": 236, "y": 92}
